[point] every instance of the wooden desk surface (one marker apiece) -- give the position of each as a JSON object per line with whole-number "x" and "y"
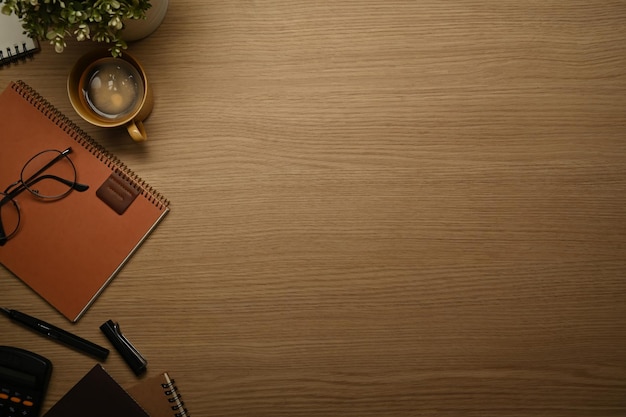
{"x": 385, "y": 208}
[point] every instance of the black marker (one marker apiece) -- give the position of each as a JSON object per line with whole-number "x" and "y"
{"x": 129, "y": 352}
{"x": 57, "y": 334}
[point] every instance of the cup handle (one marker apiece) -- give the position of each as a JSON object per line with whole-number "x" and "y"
{"x": 136, "y": 130}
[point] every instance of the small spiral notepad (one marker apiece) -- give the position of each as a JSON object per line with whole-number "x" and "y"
{"x": 14, "y": 44}
{"x": 159, "y": 396}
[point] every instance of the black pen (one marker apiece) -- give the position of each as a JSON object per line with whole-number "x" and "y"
{"x": 57, "y": 334}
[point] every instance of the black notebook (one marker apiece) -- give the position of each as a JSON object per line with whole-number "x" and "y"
{"x": 97, "y": 394}
{"x": 14, "y": 44}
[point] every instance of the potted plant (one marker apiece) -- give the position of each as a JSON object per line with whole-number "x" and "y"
{"x": 56, "y": 20}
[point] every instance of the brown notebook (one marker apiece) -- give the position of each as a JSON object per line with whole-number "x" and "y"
{"x": 159, "y": 396}
{"x": 68, "y": 249}
{"x": 97, "y": 394}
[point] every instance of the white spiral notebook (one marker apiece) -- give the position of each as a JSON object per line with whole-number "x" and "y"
{"x": 14, "y": 44}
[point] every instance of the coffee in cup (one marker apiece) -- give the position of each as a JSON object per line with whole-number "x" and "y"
{"x": 111, "y": 92}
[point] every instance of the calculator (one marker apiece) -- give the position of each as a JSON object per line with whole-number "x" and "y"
{"x": 24, "y": 377}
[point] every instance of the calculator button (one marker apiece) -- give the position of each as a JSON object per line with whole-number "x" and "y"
{"x": 4, "y": 396}
{"x": 16, "y": 400}
{"x": 28, "y": 403}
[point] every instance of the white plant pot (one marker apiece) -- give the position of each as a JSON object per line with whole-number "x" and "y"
{"x": 135, "y": 29}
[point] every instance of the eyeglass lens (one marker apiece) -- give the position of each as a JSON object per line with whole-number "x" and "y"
{"x": 49, "y": 174}
{"x": 10, "y": 215}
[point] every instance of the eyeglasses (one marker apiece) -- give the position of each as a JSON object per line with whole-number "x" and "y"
{"x": 50, "y": 175}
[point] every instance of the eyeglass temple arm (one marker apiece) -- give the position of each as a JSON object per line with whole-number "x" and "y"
{"x": 75, "y": 185}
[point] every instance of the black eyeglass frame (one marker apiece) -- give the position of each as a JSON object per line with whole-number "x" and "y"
{"x": 22, "y": 185}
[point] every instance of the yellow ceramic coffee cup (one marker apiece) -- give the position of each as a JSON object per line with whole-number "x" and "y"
{"x": 111, "y": 92}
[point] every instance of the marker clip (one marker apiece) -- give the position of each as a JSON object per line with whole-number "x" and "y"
{"x": 129, "y": 353}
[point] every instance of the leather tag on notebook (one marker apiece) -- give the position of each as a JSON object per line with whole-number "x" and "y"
{"x": 117, "y": 193}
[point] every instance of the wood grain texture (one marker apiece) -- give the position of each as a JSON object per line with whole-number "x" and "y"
{"x": 378, "y": 208}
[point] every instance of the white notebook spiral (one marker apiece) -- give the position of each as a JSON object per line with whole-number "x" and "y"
{"x": 14, "y": 44}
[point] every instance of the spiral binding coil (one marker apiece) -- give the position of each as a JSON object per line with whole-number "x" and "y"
{"x": 86, "y": 141}
{"x": 8, "y": 55}
{"x": 175, "y": 399}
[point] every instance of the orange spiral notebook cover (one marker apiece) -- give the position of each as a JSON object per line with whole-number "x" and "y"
{"x": 69, "y": 249}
